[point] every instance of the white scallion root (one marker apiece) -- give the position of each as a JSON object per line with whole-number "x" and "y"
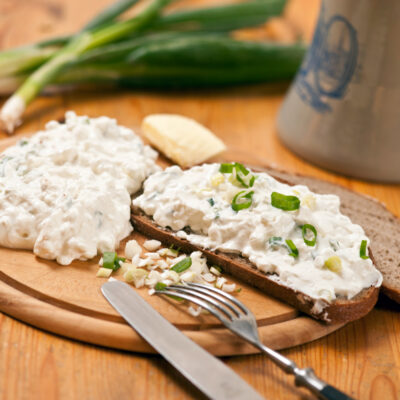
{"x": 11, "y": 113}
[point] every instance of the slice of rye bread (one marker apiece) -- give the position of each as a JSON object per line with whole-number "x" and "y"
{"x": 341, "y": 310}
{"x": 379, "y": 224}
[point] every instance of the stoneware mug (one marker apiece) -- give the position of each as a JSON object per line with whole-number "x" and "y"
{"x": 342, "y": 112}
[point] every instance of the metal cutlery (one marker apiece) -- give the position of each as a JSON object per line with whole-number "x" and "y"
{"x": 240, "y": 320}
{"x": 206, "y": 372}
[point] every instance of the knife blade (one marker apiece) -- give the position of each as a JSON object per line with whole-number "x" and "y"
{"x": 206, "y": 372}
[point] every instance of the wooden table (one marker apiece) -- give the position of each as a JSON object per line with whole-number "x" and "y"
{"x": 362, "y": 359}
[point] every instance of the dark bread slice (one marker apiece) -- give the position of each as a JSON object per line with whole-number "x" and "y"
{"x": 379, "y": 224}
{"x": 341, "y": 310}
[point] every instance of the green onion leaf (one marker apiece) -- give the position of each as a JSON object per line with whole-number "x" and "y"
{"x": 218, "y": 268}
{"x": 363, "y": 250}
{"x": 160, "y": 286}
{"x": 182, "y": 265}
{"x": 117, "y": 262}
{"x": 226, "y": 168}
{"x": 275, "y": 241}
{"x": 211, "y": 201}
{"x": 242, "y": 200}
{"x": 174, "y": 250}
{"x": 109, "y": 259}
{"x": 242, "y": 175}
{"x": 286, "y": 203}
{"x": 304, "y": 230}
{"x": 241, "y": 172}
{"x": 294, "y": 252}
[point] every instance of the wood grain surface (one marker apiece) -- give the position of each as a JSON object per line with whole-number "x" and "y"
{"x": 362, "y": 359}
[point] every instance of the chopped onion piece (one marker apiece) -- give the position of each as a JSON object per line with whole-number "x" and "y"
{"x": 151, "y": 245}
{"x": 229, "y": 288}
{"x": 132, "y": 249}
{"x": 104, "y": 272}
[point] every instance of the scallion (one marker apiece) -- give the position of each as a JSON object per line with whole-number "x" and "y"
{"x": 241, "y": 173}
{"x": 117, "y": 262}
{"x": 242, "y": 200}
{"x": 211, "y": 201}
{"x": 275, "y": 241}
{"x": 293, "y": 251}
{"x": 363, "y": 250}
{"x": 11, "y": 113}
{"x": 304, "y": 229}
{"x": 182, "y": 265}
{"x": 226, "y": 168}
{"x": 160, "y": 286}
{"x": 111, "y": 260}
{"x": 283, "y": 202}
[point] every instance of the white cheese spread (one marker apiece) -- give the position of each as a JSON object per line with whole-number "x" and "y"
{"x": 65, "y": 192}
{"x": 197, "y": 204}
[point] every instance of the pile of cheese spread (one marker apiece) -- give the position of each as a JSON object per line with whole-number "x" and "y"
{"x": 309, "y": 246}
{"x": 65, "y": 192}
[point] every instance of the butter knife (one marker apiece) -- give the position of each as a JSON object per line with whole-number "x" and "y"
{"x": 206, "y": 372}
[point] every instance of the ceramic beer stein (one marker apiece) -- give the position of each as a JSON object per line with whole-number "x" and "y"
{"x": 342, "y": 112}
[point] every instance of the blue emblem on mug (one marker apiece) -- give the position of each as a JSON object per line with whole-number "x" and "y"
{"x": 330, "y": 63}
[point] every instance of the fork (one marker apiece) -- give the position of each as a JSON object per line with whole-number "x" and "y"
{"x": 240, "y": 320}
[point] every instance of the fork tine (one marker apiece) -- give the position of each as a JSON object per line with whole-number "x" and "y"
{"x": 238, "y": 303}
{"x": 194, "y": 300}
{"x": 190, "y": 291}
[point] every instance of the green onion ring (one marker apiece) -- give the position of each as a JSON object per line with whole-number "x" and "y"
{"x": 304, "y": 229}
{"x": 363, "y": 250}
{"x": 286, "y": 203}
{"x": 226, "y": 168}
{"x": 237, "y": 206}
{"x": 109, "y": 259}
{"x": 240, "y": 173}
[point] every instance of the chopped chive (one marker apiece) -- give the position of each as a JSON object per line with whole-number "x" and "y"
{"x": 226, "y": 168}
{"x": 363, "y": 250}
{"x": 173, "y": 249}
{"x": 109, "y": 259}
{"x": 294, "y": 252}
{"x": 182, "y": 265}
{"x": 241, "y": 172}
{"x": 160, "y": 286}
{"x": 218, "y": 268}
{"x": 286, "y": 203}
{"x": 275, "y": 241}
{"x": 117, "y": 262}
{"x": 304, "y": 229}
{"x": 211, "y": 201}
{"x": 242, "y": 200}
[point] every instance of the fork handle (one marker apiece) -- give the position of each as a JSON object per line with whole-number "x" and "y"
{"x": 330, "y": 393}
{"x": 304, "y": 377}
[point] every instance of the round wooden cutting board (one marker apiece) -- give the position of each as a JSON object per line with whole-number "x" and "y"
{"x": 67, "y": 300}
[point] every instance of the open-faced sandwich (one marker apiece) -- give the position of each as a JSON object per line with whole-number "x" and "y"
{"x": 292, "y": 243}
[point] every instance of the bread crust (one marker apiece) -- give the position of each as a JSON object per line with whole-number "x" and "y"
{"x": 339, "y": 311}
